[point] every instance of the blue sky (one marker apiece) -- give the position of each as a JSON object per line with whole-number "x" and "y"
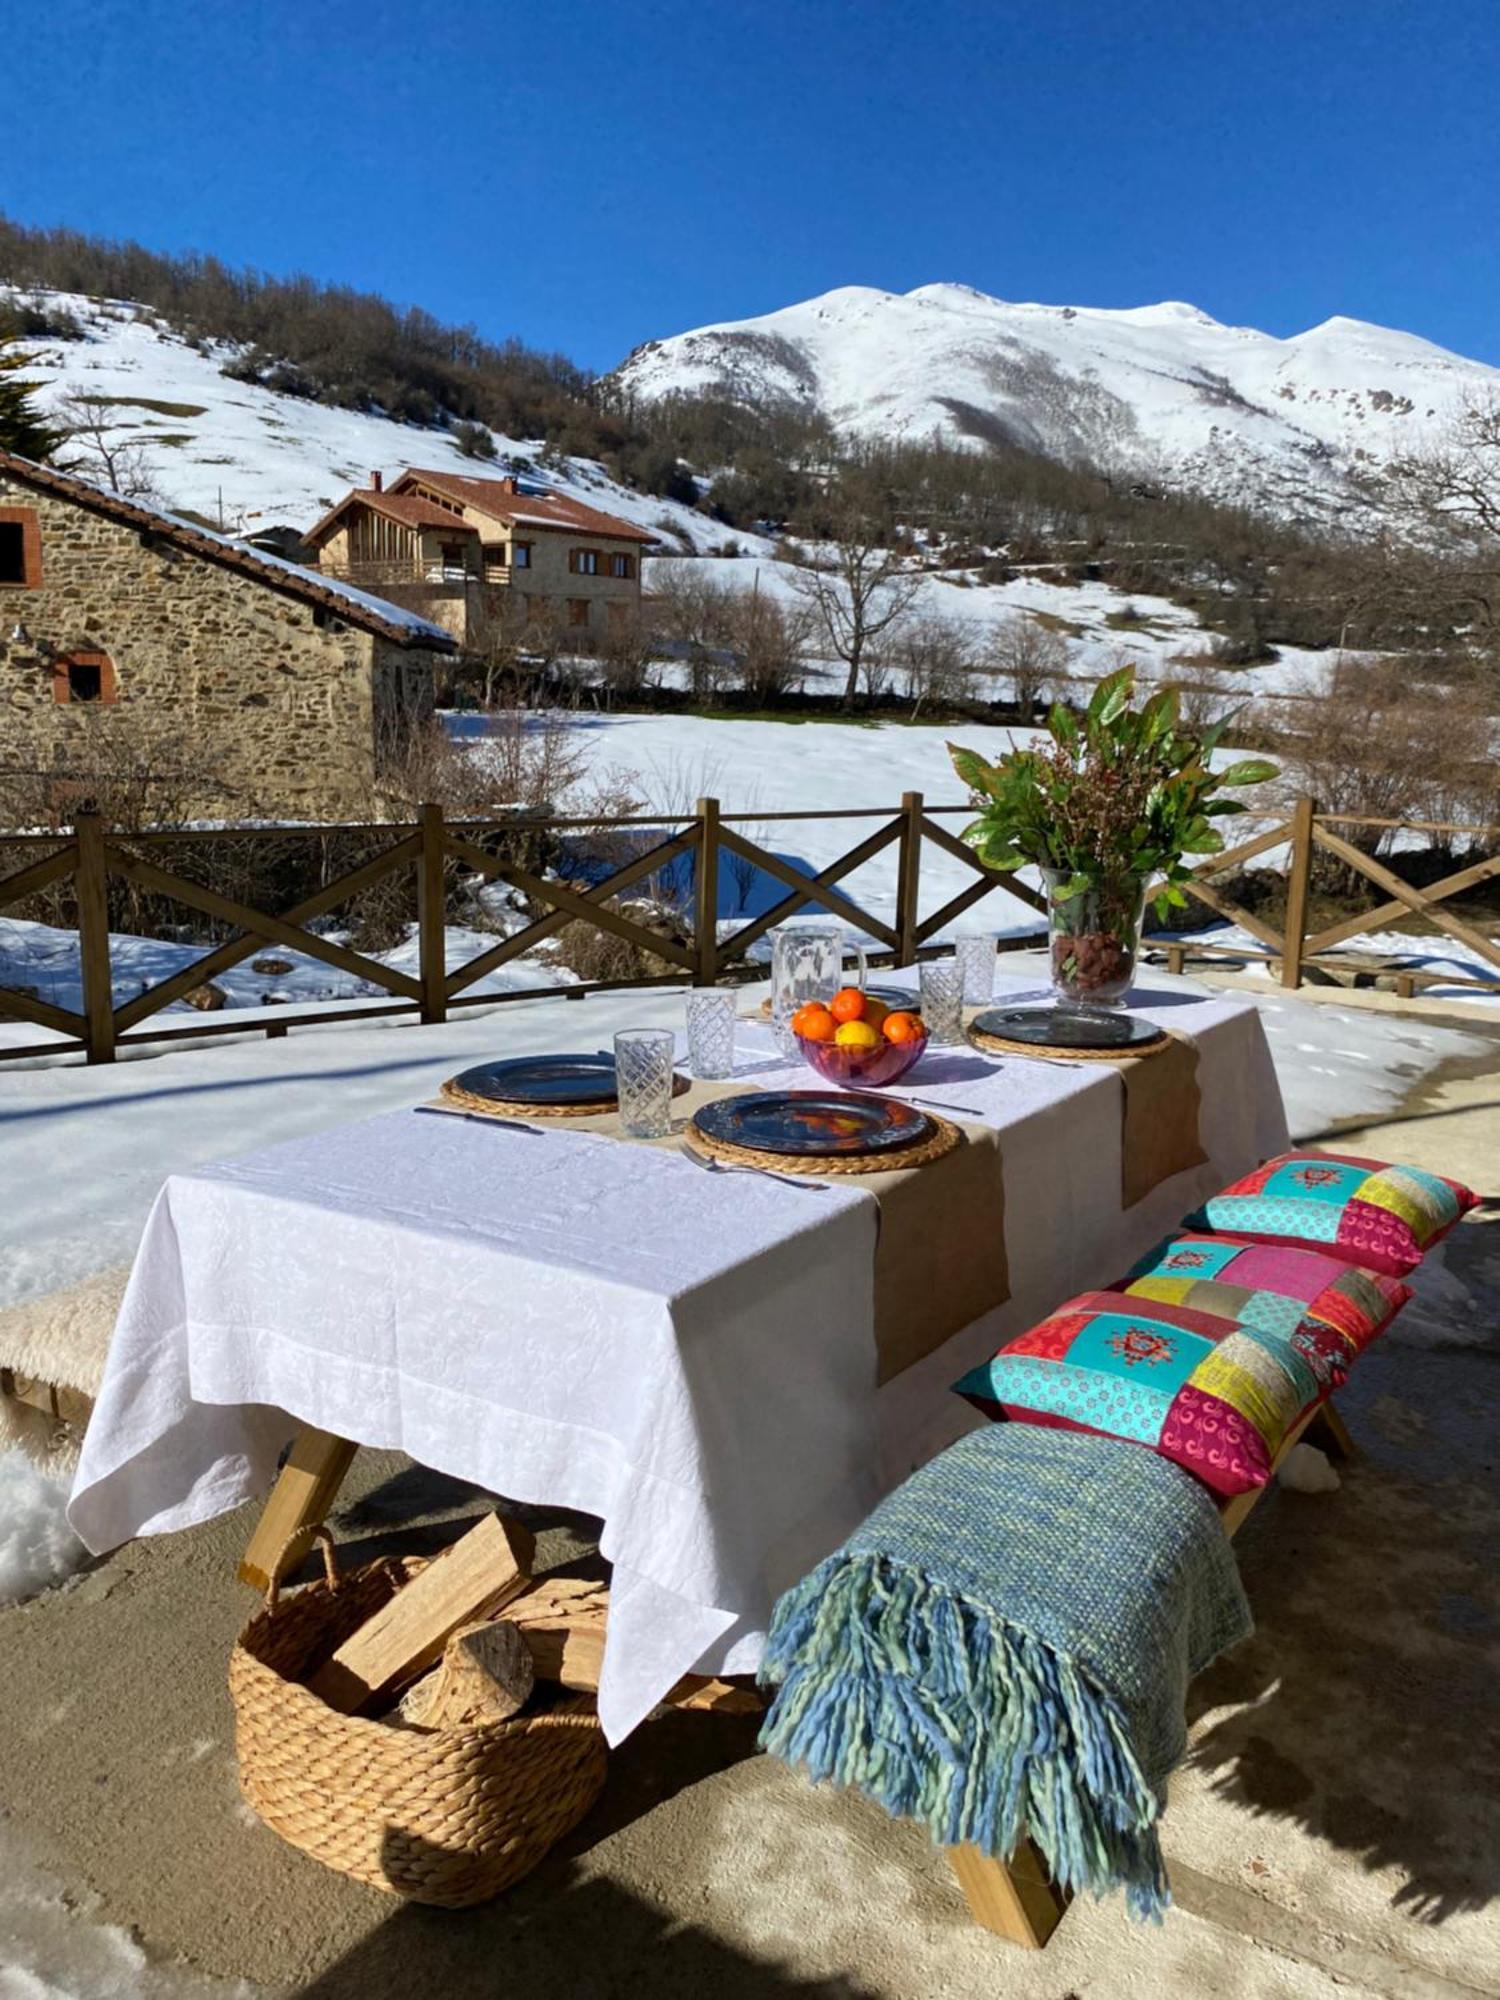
{"x": 588, "y": 176}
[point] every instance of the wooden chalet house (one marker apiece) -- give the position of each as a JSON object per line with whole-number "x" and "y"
{"x": 471, "y": 554}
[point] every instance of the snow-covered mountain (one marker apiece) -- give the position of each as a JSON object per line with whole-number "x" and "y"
{"x": 1161, "y": 390}
{"x": 249, "y": 458}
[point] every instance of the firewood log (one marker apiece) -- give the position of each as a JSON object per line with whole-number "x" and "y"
{"x": 474, "y": 1579}
{"x": 485, "y": 1675}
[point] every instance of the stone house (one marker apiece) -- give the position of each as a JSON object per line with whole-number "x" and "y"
{"x": 474, "y": 554}
{"x": 271, "y": 691}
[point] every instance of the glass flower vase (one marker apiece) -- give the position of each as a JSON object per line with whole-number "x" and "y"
{"x": 1093, "y": 937}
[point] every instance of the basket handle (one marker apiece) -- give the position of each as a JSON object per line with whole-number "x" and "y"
{"x": 330, "y": 1563}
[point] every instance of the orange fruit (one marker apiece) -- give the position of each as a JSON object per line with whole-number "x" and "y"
{"x": 814, "y": 1023}
{"x": 847, "y": 1005}
{"x": 903, "y": 1028}
{"x": 875, "y": 1011}
{"x": 857, "y": 1035}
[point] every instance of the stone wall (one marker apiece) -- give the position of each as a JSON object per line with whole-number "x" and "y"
{"x": 262, "y": 704}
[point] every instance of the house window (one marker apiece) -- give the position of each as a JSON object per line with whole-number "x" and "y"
{"x": 83, "y": 677}
{"x": 583, "y": 562}
{"x": 496, "y": 562}
{"x": 622, "y": 566}
{"x": 20, "y": 548}
{"x": 578, "y": 611}
{"x": 520, "y": 555}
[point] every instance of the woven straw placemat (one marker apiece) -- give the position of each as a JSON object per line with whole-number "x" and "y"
{"x": 943, "y": 1140}
{"x": 999, "y": 1045}
{"x": 514, "y": 1107}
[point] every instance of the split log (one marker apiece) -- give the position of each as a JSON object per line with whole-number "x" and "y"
{"x": 564, "y": 1622}
{"x": 475, "y": 1578}
{"x": 485, "y": 1675}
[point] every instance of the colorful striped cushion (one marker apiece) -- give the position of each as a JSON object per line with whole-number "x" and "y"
{"x": 1386, "y": 1218}
{"x": 1322, "y": 1306}
{"x": 1216, "y": 1398}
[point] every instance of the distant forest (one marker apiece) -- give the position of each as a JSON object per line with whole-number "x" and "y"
{"x": 1256, "y": 580}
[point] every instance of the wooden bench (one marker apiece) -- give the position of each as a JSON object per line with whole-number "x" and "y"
{"x": 52, "y": 1352}
{"x": 1017, "y": 1899}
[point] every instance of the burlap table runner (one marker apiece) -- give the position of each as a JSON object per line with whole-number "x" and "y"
{"x": 940, "y": 1252}
{"x": 1160, "y": 1118}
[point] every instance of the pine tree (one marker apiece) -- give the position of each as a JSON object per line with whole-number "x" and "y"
{"x": 22, "y": 428}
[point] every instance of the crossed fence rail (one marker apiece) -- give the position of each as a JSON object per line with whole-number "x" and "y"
{"x": 90, "y": 856}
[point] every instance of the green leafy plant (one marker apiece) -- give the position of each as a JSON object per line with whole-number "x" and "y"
{"x": 1119, "y": 795}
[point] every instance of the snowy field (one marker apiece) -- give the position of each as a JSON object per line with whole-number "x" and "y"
{"x": 1103, "y": 627}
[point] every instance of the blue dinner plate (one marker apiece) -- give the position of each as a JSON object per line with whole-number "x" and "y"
{"x": 813, "y": 1123}
{"x": 1064, "y": 1028}
{"x": 542, "y": 1080}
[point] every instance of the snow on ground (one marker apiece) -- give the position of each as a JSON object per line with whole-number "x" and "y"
{"x": 1398, "y": 951}
{"x": 40, "y": 956}
{"x": 251, "y": 458}
{"x": 37, "y": 1547}
{"x": 53, "y": 1947}
{"x": 1093, "y": 618}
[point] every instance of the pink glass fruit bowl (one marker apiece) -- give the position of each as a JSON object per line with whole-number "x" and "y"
{"x": 862, "y": 1069}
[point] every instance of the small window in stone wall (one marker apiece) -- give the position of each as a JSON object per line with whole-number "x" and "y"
{"x": 20, "y": 548}
{"x": 84, "y": 677}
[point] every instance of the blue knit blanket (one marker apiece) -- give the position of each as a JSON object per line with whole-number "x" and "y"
{"x": 1005, "y": 1646}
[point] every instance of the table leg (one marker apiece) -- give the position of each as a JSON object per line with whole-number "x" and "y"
{"x": 1015, "y": 1899}
{"x": 299, "y": 1502}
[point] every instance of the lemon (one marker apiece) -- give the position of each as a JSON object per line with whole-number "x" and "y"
{"x": 858, "y": 1035}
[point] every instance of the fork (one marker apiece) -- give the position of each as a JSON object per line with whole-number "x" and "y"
{"x": 712, "y": 1166}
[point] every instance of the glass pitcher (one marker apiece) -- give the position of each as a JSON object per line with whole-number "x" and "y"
{"x": 807, "y": 963}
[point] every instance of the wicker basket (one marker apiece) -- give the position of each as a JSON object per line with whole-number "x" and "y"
{"x": 446, "y": 1816}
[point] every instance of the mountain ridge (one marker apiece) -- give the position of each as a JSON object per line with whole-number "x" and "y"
{"x": 1298, "y": 424}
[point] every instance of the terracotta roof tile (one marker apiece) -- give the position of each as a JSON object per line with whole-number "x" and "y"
{"x": 498, "y": 499}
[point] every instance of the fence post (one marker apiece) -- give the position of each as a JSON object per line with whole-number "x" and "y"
{"x": 91, "y": 886}
{"x": 1298, "y": 875}
{"x": 431, "y": 947}
{"x": 706, "y": 894}
{"x": 908, "y": 878}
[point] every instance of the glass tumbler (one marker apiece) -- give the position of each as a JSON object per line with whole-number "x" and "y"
{"x": 710, "y": 1033}
{"x": 943, "y": 1000}
{"x": 976, "y": 955}
{"x": 643, "y": 1078}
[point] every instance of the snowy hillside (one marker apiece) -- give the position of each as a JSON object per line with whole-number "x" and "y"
{"x": 252, "y": 458}
{"x": 1163, "y": 389}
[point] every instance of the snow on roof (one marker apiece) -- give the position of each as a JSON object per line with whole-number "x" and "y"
{"x": 358, "y": 607}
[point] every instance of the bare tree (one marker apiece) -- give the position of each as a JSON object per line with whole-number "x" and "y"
{"x": 936, "y": 658}
{"x": 858, "y": 589}
{"x": 694, "y": 614}
{"x": 1391, "y": 738}
{"x": 769, "y": 636}
{"x": 103, "y": 452}
{"x": 1030, "y": 655}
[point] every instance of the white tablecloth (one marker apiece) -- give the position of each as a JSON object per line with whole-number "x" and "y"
{"x": 565, "y": 1319}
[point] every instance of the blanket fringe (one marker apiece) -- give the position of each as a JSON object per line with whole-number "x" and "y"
{"x": 942, "y": 1712}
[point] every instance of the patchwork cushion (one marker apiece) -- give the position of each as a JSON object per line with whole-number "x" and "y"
{"x": 1214, "y": 1397}
{"x": 1329, "y": 1310}
{"x": 1386, "y": 1218}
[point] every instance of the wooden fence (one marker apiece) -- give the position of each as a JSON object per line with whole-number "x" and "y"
{"x": 89, "y": 857}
